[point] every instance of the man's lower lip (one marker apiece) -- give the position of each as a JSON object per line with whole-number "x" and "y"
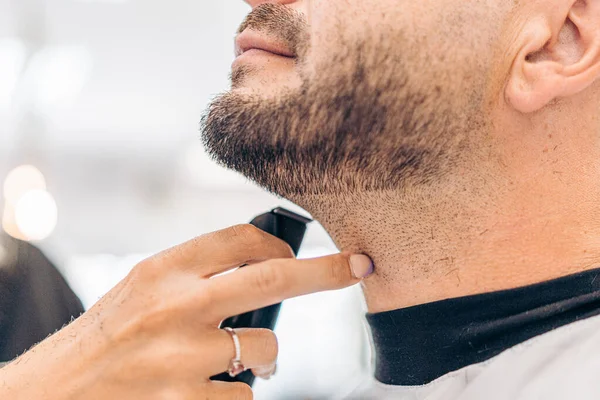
{"x": 254, "y": 53}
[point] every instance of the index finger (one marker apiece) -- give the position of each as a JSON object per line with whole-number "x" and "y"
{"x": 273, "y": 281}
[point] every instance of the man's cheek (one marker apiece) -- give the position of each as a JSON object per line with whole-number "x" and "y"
{"x": 325, "y": 39}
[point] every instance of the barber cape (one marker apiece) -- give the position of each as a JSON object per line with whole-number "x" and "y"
{"x": 537, "y": 342}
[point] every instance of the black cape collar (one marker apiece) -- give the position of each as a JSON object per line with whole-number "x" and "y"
{"x": 416, "y": 345}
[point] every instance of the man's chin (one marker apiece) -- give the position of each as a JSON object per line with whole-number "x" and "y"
{"x": 264, "y": 83}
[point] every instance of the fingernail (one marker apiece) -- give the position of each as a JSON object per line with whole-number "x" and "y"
{"x": 361, "y": 265}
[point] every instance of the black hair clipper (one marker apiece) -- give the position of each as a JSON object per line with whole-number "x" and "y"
{"x": 290, "y": 227}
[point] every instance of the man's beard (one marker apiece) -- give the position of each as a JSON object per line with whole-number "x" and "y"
{"x": 359, "y": 123}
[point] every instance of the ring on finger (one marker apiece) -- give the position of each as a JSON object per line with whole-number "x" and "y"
{"x": 235, "y": 365}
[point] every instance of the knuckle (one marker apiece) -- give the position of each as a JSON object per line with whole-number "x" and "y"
{"x": 270, "y": 279}
{"x": 337, "y": 270}
{"x": 246, "y": 233}
{"x": 160, "y": 263}
{"x": 146, "y": 268}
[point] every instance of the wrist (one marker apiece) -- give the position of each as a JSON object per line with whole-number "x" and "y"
{"x": 46, "y": 371}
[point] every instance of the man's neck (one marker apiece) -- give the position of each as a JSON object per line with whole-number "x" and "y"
{"x": 445, "y": 244}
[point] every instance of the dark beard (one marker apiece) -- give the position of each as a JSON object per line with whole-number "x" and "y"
{"x": 368, "y": 128}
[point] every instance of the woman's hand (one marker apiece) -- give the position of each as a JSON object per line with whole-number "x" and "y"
{"x": 156, "y": 335}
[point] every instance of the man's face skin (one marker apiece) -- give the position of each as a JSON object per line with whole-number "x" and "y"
{"x": 381, "y": 93}
{"x": 336, "y": 26}
{"x": 446, "y": 139}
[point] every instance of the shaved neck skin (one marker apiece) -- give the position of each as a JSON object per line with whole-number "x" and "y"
{"x": 434, "y": 250}
{"x": 537, "y": 220}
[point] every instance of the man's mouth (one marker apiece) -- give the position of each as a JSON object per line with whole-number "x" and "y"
{"x": 250, "y": 40}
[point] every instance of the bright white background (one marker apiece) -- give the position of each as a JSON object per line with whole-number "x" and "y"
{"x": 104, "y": 98}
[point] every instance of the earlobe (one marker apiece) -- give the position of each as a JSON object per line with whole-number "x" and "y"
{"x": 534, "y": 87}
{"x": 556, "y": 61}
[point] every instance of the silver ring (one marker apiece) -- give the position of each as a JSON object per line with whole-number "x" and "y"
{"x": 235, "y": 365}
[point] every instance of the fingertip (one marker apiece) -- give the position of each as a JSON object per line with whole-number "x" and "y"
{"x": 362, "y": 266}
{"x": 265, "y": 372}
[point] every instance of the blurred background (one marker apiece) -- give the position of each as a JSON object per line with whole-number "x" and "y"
{"x": 101, "y": 164}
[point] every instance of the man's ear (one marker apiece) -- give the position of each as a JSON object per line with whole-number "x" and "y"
{"x": 559, "y": 55}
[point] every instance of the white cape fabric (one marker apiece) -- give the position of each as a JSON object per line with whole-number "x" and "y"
{"x": 562, "y": 364}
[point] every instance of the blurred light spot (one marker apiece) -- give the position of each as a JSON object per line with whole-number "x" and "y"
{"x": 22, "y": 180}
{"x": 12, "y": 54}
{"x": 36, "y": 214}
{"x": 57, "y": 74}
